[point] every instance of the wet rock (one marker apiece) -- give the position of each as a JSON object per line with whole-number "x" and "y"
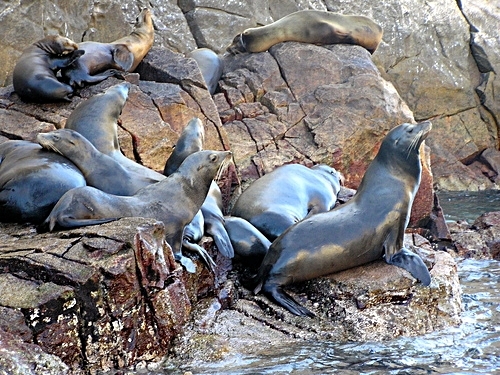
{"x": 372, "y": 302}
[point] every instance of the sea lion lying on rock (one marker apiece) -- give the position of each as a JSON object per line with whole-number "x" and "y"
{"x": 34, "y": 76}
{"x": 102, "y": 60}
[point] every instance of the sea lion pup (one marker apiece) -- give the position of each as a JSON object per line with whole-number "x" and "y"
{"x": 174, "y": 200}
{"x": 100, "y": 171}
{"x": 102, "y": 60}
{"x": 34, "y": 76}
{"x": 32, "y": 180}
{"x": 212, "y": 219}
{"x": 310, "y": 26}
{"x": 362, "y": 230}
{"x": 211, "y": 66}
{"x": 288, "y": 194}
{"x": 97, "y": 120}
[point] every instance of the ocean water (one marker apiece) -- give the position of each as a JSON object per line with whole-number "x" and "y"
{"x": 471, "y": 348}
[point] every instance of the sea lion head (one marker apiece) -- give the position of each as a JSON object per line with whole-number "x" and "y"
{"x": 237, "y": 45}
{"x": 401, "y": 145}
{"x": 59, "y": 140}
{"x": 331, "y": 174}
{"x": 57, "y": 45}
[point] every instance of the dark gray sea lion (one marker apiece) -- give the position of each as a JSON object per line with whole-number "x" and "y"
{"x": 34, "y": 76}
{"x": 174, "y": 200}
{"x": 32, "y": 180}
{"x": 362, "y": 230}
{"x": 310, "y": 26}
{"x": 249, "y": 244}
{"x": 211, "y": 66}
{"x": 102, "y": 60}
{"x": 191, "y": 140}
{"x": 288, "y": 194}
{"x": 97, "y": 120}
{"x": 100, "y": 170}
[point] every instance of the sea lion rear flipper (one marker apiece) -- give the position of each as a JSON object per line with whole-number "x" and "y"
{"x": 122, "y": 56}
{"x": 412, "y": 263}
{"x": 278, "y": 295}
{"x": 69, "y": 222}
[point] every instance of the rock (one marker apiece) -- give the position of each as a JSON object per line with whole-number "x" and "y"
{"x": 21, "y": 358}
{"x": 98, "y": 297}
{"x": 373, "y": 302}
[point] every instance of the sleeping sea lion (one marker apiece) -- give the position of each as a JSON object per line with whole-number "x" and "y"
{"x": 310, "y": 26}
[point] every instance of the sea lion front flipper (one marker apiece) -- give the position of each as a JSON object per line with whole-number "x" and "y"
{"x": 195, "y": 248}
{"x": 412, "y": 263}
{"x": 218, "y": 232}
{"x": 122, "y": 56}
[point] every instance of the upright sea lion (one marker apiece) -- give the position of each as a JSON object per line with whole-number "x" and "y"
{"x": 32, "y": 180}
{"x": 174, "y": 200}
{"x": 190, "y": 141}
{"x": 97, "y": 120}
{"x": 211, "y": 66}
{"x": 372, "y": 223}
{"x": 310, "y": 26}
{"x": 100, "y": 170}
{"x": 34, "y": 76}
{"x": 102, "y": 60}
{"x": 288, "y": 194}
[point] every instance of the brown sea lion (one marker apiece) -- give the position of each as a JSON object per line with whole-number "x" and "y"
{"x": 34, "y": 76}
{"x": 100, "y": 171}
{"x": 174, "y": 200}
{"x": 362, "y": 230}
{"x": 32, "y": 180}
{"x": 288, "y": 194}
{"x": 310, "y": 26}
{"x": 102, "y": 60}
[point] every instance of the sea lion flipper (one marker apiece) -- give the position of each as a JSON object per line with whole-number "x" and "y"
{"x": 278, "y": 295}
{"x": 413, "y": 264}
{"x": 195, "y": 248}
{"x": 218, "y": 232}
{"x": 122, "y": 56}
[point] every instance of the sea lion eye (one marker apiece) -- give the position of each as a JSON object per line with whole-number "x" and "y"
{"x": 213, "y": 158}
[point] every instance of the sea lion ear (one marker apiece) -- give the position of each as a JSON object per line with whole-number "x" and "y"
{"x": 122, "y": 56}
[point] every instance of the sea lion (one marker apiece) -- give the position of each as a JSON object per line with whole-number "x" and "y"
{"x": 34, "y": 76}
{"x": 100, "y": 170}
{"x": 249, "y": 244}
{"x": 174, "y": 200}
{"x": 372, "y": 223}
{"x": 32, "y": 180}
{"x": 288, "y": 194}
{"x": 211, "y": 66}
{"x": 102, "y": 60}
{"x": 190, "y": 141}
{"x": 97, "y": 120}
{"x": 310, "y": 26}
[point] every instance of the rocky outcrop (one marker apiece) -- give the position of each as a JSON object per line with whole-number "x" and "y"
{"x": 440, "y": 56}
{"x": 369, "y": 303}
{"x": 100, "y": 297}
